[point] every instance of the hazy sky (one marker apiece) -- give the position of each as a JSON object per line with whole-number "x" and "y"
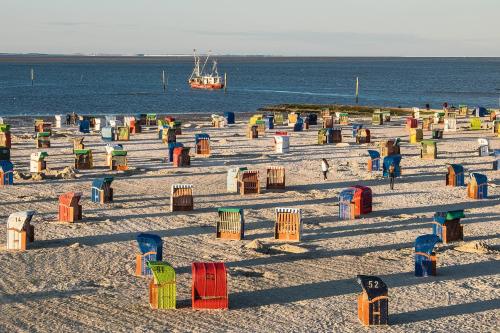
{"x": 273, "y": 27}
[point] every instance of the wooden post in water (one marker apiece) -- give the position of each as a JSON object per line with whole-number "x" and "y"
{"x": 163, "y": 80}
{"x": 32, "y": 76}
{"x": 357, "y": 89}
{"x": 225, "y": 82}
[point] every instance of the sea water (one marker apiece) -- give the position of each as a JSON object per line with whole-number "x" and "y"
{"x": 132, "y": 85}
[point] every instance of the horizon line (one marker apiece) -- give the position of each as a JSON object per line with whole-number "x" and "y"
{"x": 144, "y": 55}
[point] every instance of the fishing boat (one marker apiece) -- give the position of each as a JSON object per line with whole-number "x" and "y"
{"x": 200, "y": 79}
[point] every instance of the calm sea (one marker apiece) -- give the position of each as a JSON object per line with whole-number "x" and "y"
{"x": 132, "y": 85}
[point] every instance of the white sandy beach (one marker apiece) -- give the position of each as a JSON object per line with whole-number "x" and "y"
{"x": 80, "y": 277}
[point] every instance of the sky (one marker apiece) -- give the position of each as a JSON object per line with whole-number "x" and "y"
{"x": 264, "y": 27}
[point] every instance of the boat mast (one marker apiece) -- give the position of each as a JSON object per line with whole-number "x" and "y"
{"x": 206, "y": 60}
{"x": 196, "y": 69}
{"x": 214, "y": 69}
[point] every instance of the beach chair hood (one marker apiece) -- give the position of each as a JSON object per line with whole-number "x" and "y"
{"x": 426, "y": 243}
{"x": 18, "y": 220}
{"x": 373, "y": 286}
{"x": 479, "y": 178}
{"x": 150, "y": 243}
{"x": 373, "y": 154}
{"x": 347, "y": 194}
{"x": 201, "y": 136}
{"x": 162, "y": 271}
{"x": 457, "y": 168}
{"x": 6, "y": 166}
{"x": 99, "y": 182}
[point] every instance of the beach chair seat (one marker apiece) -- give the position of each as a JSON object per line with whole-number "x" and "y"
{"x": 455, "y": 175}
{"x": 387, "y": 116}
{"x": 5, "y": 136}
{"x": 37, "y": 162}
{"x": 298, "y": 126}
{"x": 292, "y": 119}
{"x": 42, "y": 140}
{"x": 416, "y": 135}
{"x": 248, "y": 183}
{"x": 346, "y": 204}
{"x": 484, "y": 147}
{"x": 123, "y": 133}
{"x": 411, "y": 123}
{"x": 202, "y": 144}
{"x": 313, "y": 119}
{"x": 218, "y": 121}
{"x": 322, "y": 133}
{"x": 58, "y": 121}
{"x": 231, "y": 224}
{"x": 386, "y": 163}
{"x": 437, "y": 133}
{"x": 428, "y": 150}
{"x": 425, "y": 258}
{"x": 171, "y": 147}
{"x": 162, "y": 287}
{"x": 288, "y": 224}
{"x": 261, "y": 127}
{"x": 343, "y": 118}
{"x": 84, "y": 126}
{"x": 233, "y": 175}
{"x": 209, "y": 287}
{"x": 69, "y": 208}
{"x": 450, "y": 122}
{"x": 275, "y": 178}
{"x": 327, "y": 121}
{"x": 281, "y": 144}
{"x": 496, "y": 127}
{"x": 475, "y": 123}
{"x": 181, "y": 157}
{"x": 101, "y": 190}
{"x": 78, "y": 143}
{"x": 119, "y": 160}
{"x": 6, "y": 173}
{"x": 181, "y": 197}
{"x": 478, "y": 186}
{"x": 230, "y": 118}
{"x": 355, "y": 129}
{"x": 269, "y": 122}
{"x": 377, "y": 118}
{"x": 336, "y": 134}
{"x": 427, "y": 123}
{"x": 20, "y": 231}
{"x": 108, "y": 133}
{"x": 252, "y": 132}
{"x": 83, "y": 159}
{"x": 279, "y": 118}
{"x": 151, "y": 119}
{"x": 389, "y": 147}
{"x": 447, "y": 226}
{"x": 363, "y": 136}
{"x": 373, "y": 161}
{"x": 354, "y": 202}
{"x": 373, "y": 302}
{"x": 496, "y": 161}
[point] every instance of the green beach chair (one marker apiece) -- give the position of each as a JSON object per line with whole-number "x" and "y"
{"x": 162, "y": 293}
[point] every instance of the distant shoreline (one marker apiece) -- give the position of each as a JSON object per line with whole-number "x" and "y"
{"x": 51, "y": 58}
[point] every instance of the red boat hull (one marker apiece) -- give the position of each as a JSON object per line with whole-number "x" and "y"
{"x": 213, "y": 86}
